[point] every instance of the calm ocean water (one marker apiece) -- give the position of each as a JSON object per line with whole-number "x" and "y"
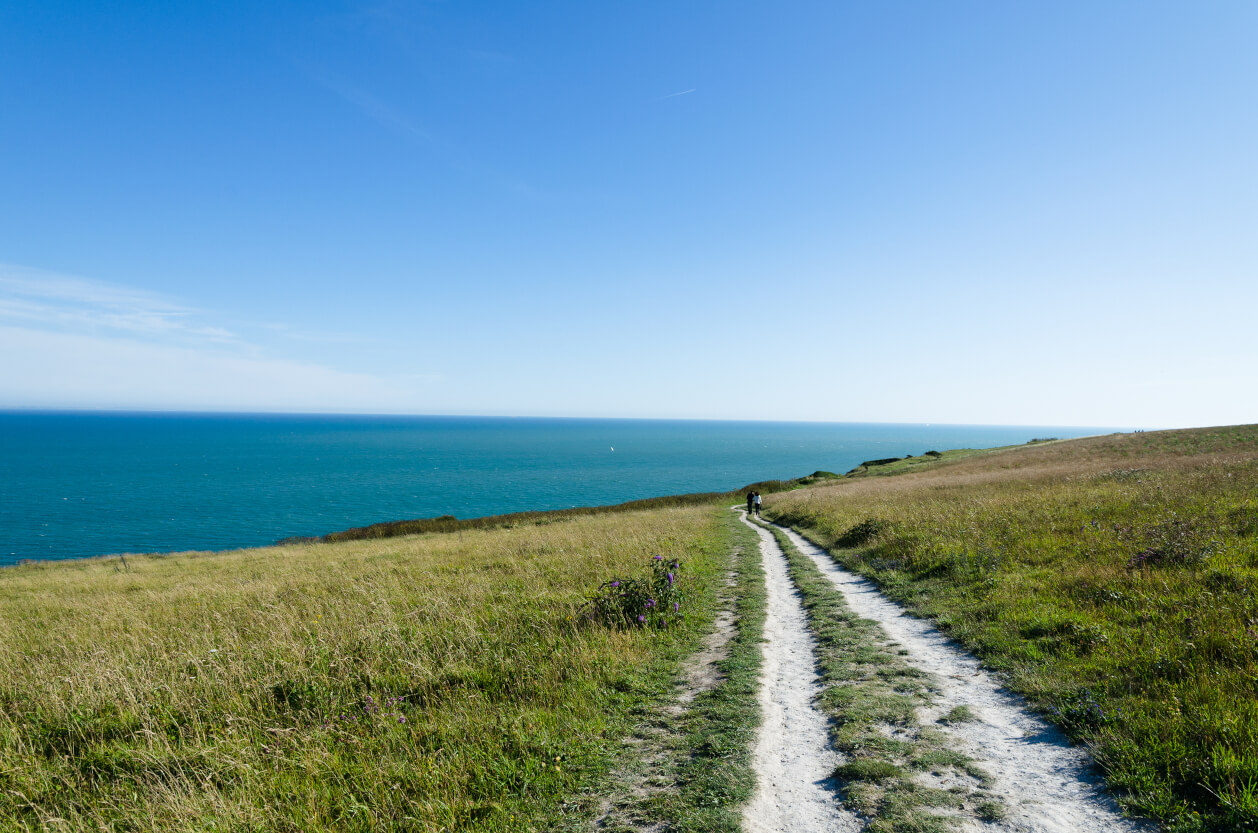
{"x": 84, "y": 484}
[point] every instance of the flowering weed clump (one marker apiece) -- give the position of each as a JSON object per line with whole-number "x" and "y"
{"x": 652, "y": 601}
{"x": 1080, "y": 710}
{"x": 370, "y": 715}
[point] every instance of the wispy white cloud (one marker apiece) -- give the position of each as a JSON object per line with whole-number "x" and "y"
{"x": 674, "y": 95}
{"x": 80, "y": 343}
{"x": 43, "y": 369}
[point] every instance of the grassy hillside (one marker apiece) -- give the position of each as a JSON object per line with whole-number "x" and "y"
{"x": 448, "y": 681}
{"x": 412, "y": 683}
{"x": 1115, "y": 580}
{"x": 449, "y": 523}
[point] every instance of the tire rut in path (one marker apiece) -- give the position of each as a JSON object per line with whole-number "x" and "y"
{"x": 653, "y": 768}
{"x": 1043, "y": 780}
{"x": 793, "y": 758}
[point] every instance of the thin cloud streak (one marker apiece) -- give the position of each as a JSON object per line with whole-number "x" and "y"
{"x": 368, "y": 104}
{"x": 393, "y": 118}
{"x": 674, "y": 95}
{"x": 37, "y": 283}
{"x": 287, "y": 331}
{"x": 33, "y": 297}
{"x": 71, "y": 303}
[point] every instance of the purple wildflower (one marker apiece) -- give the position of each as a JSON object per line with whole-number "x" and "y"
{"x": 657, "y": 557}
{"x": 670, "y": 578}
{"x": 641, "y": 618}
{"x": 650, "y": 602}
{"x": 676, "y": 606}
{"x": 615, "y": 584}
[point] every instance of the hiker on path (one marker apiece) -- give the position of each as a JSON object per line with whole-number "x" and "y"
{"x": 757, "y": 504}
{"x": 751, "y": 502}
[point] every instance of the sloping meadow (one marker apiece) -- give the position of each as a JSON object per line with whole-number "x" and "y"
{"x": 423, "y": 683}
{"x": 1113, "y": 578}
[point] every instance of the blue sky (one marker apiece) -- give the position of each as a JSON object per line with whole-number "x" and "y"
{"x": 974, "y": 212}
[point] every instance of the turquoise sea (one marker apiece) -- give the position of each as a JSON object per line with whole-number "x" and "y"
{"x": 83, "y": 484}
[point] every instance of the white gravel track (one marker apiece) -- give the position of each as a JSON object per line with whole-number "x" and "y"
{"x": 792, "y": 758}
{"x": 1043, "y": 780}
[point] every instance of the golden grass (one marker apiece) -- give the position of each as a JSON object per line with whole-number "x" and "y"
{"x": 256, "y": 689}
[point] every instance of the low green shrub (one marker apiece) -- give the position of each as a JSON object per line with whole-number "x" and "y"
{"x": 652, "y": 601}
{"x": 862, "y": 533}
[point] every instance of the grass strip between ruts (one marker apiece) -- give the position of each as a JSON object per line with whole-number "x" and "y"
{"x": 717, "y": 777}
{"x": 871, "y": 696}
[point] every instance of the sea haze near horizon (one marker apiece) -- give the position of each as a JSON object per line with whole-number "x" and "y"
{"x": 80, "y": 484}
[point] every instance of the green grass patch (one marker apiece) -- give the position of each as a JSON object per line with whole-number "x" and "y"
{"x": 1113, "y": 579}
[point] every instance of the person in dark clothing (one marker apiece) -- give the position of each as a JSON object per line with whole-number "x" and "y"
{"x": 751, "y": 502}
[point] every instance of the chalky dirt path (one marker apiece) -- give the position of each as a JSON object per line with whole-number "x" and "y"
{"x": 1043, "y": 781}
{"x": 792, "y": 758}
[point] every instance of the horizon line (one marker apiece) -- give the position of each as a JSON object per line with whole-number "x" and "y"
{"x": 404, "y": 415}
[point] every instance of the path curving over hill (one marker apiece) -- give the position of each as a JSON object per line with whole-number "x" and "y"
{"x": 1043, "y": 781}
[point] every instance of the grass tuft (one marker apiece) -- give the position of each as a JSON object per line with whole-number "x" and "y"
{"x": 958, "y": 714}
{"x": 873, "y": 770}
